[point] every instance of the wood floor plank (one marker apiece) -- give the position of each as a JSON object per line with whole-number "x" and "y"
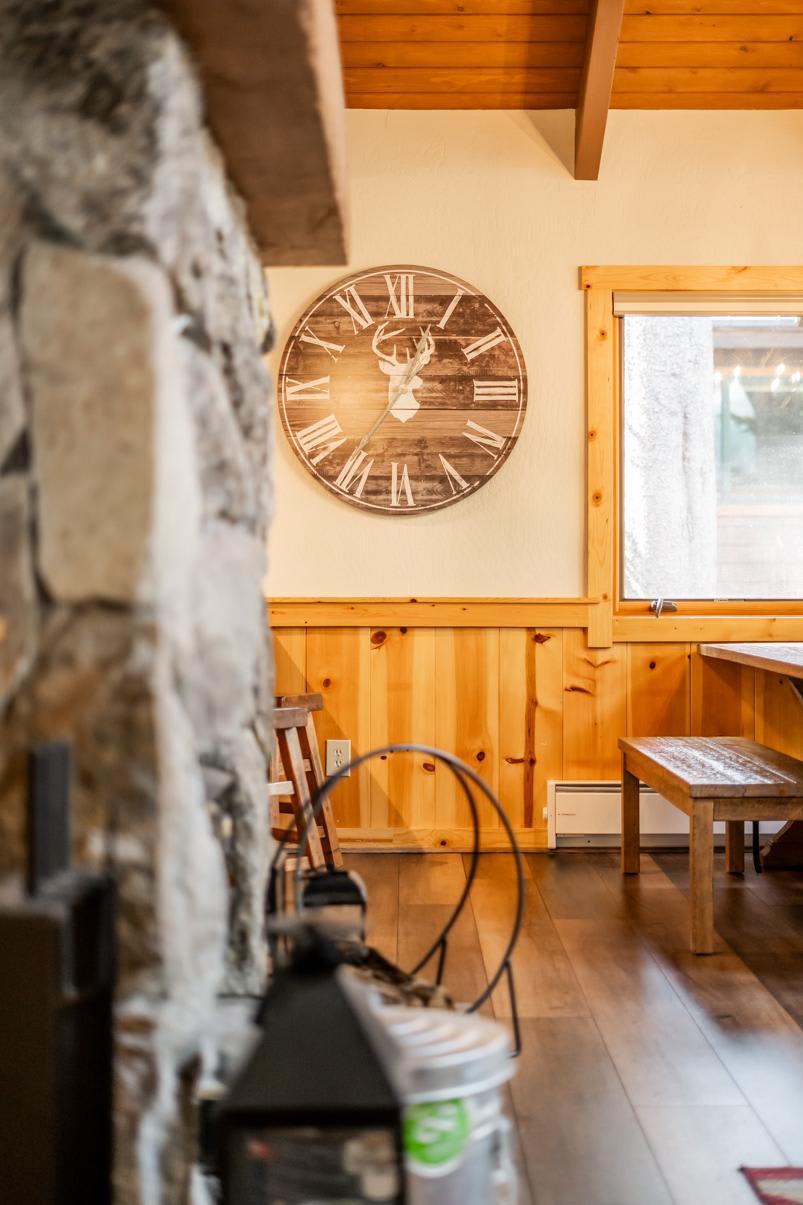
{"x": 380, "y": 873}
{"x": 464, "y": 975}
{"x": 545, "y": 983}
{"x": 429, "y": 888}
{"x": 681, "y": 1069}
{"x": 779, "y": 887}
{"x": 431, "y": 879}
{"x": 741, "y": 917}
{"x": 754, "y": 1035}
{"x": 700, "y": 1151}
{"x": 658, "y": 1049}
{"x": 783, "y": 978}
{"x": 569, "y": 888}
{"x": 723, "y": 987}
{"x": 580, "y": 1136}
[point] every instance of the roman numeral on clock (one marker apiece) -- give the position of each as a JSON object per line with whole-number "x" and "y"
{"x": 452, "y": 476}
{"x": 400, "y": 482}
{"x": 354, "y": 306}
{"x": 307, "y": 391}
{"x": 331, "y": 349}
{"x": 323, "y": 435}
{"x": 496, "y": 391}
{"x": 450, "y": 309}
{"x": 401, "y": 294}
{"x": 353, "y": 472}
{"x": 480, "y": 346}
{"x": 484, "y": 438}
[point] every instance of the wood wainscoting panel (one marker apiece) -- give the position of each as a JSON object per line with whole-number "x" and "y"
{"x": 402, "y": 682}
{"x": 521, "y": 705}
{"x": 530, "y": 722}
{"x": 722, "y": 698}
{"x": 779, "y": 714}
{"x": 466, "y": 719}
{"x": 594, "y": 708}
{"x": 658, "y": 689}
{"x": 290, "y": 661}
{"x": 430, "y": 612}
{"x": 338, "y": 668}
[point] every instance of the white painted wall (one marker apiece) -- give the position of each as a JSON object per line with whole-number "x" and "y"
{"x": 489, "y": 197}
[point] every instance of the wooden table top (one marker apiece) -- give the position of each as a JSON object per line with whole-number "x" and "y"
{"x": 778, "y": 658}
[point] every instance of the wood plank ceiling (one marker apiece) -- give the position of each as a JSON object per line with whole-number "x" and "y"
{"x": 530, "y": 54}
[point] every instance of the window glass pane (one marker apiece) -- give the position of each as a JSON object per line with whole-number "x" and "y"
{"x": 712, "y": 457}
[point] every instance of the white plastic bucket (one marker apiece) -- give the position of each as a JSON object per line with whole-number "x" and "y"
{"x": 450, "y": 1068}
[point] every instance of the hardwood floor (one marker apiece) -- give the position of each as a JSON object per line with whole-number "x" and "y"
{"x": 647, "y": 1075}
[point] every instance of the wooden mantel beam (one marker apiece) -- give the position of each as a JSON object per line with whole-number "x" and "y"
{"x": 273, "y": 91}
{"x": 596, "y": 85}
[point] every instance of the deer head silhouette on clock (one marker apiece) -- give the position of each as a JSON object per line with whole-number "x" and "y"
{"x": 402, "y": 389}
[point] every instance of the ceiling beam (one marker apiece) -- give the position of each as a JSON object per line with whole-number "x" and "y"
{"x": 273, "y": 89}
{"x": 596, "y": 85}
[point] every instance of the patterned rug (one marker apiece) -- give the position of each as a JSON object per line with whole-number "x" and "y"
{"x": 776, "y": 1185}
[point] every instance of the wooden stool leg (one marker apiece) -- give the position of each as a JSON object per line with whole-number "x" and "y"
{"x": 734, "y": 846}
{"x": 293, "y": 762}
{"x": 329, "y": 838}
{"x": 631, "y": 852}
{"x": 701, "y": 855}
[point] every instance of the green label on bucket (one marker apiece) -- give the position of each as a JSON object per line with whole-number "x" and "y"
{"x": 436, "y": 1132}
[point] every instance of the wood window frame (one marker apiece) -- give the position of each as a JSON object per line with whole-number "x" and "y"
{"x": 611, "y": 617}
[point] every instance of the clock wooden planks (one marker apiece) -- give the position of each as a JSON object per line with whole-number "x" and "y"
{"x": 402, "y": 389}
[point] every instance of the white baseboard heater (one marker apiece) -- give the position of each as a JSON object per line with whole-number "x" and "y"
{"x": 584, "y": 814}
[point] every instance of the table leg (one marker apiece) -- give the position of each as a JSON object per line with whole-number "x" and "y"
{"x": 701, "y": 856}
{"x": 734, "y": 846}
{"x": 631, "y": 852}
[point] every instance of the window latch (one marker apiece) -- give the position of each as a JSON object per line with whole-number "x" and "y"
{"x": 659, "y": 605}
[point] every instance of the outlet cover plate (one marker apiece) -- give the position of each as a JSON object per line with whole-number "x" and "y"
{"x": 338, "y": 754}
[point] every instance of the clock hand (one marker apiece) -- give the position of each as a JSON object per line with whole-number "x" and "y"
{"x": 421, "y": 357}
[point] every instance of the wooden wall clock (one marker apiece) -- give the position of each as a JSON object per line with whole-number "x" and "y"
{"x": 402, "y": 389}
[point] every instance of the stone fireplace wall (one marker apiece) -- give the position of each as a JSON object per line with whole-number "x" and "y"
{"x": 134, "y": 501}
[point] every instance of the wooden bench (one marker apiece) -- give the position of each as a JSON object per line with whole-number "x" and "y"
{"x": 722, "y": 778}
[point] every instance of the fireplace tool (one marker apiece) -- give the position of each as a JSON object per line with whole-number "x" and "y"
{"x": 349, "y": 1094}
{"x": 320, "y": 893}
{"x": 57, "y": 974}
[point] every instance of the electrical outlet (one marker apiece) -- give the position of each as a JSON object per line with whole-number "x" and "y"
{"x": 338, "y": 755}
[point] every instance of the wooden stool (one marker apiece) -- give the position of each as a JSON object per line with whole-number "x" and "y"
{"x": 723, "y": 778}
{"x": 296, "y": 773}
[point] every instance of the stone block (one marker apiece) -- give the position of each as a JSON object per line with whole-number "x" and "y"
{"x": 94, "y": 687}
{"x": 245, "y": 804}
{"x": 229, "y": 489}
{"x": 223, "y": 287}
{"x": 12, "y": 410}
{"x": 133, "y": 321}
{"x": 102, "y": 373}
{"x": 220, "y": 679}
{"x": 18, "y": 605}
{"x": 193, "y": 897}
{"x": 83, "y": 97}
{"x": 11, "y": 233}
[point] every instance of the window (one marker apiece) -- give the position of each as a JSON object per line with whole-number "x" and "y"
{"x": 694, "y": 485}
{"x": 711, "y": 449}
